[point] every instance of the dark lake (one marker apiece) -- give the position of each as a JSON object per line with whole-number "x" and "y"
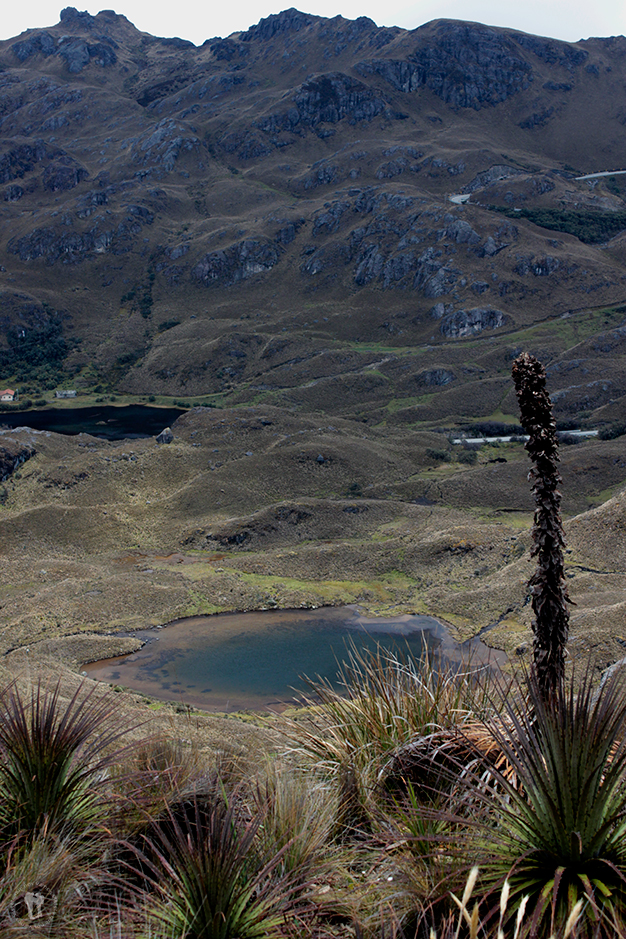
{"x": 233, "y": 661}
{"x": 114, "y": 423}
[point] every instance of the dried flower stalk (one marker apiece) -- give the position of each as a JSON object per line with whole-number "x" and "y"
{"x": 547, "y": 585}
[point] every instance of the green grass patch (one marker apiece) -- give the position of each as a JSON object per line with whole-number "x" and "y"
{"x": 598, "y": 498}
{"x": 571, "y": 329}
{"x": 384, "y": 348}
{"x": 398, "y": 579}
{"x": 589, "y": 227}
{"x": 500, "y": 417}
{"x": 399, "y": 404}
{"x": 512, "y": 518}
{"x": 199, "y": 605}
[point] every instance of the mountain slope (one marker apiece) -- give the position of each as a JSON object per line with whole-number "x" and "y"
{"x": 266, "y": 217}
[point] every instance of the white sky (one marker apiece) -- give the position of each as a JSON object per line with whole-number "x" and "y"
{"x": 198, "y": 20}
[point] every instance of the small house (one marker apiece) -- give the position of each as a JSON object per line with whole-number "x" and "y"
{"x": 8, "y": 395}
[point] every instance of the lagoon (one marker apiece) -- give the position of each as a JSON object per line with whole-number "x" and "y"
{"x": 235, "y": 661}
{"x": 112, "y": 423}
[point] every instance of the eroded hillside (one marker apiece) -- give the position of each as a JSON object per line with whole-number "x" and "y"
{"x": 266, "y": 217}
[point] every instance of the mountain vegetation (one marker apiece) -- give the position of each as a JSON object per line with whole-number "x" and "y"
{"x": 200, "y": 220}
{"x": 412, "y": 802}
{"x": 327, "y": 242}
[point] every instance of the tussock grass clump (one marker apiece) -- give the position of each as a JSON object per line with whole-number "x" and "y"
{"x": 53, "y": 887}
{"x": 56, "y": 806}
{"x": 55, "y": 759}
{"x": 382, "y": 702}
{"x": 210, "y": 874}
{"x": 299, "y": 813}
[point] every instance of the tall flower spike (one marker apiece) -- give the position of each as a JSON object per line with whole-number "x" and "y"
{"x": 547, "y": 585}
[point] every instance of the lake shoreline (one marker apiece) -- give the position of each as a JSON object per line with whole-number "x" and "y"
{"x": 228, "y": 638}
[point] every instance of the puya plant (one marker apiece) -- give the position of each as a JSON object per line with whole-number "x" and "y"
{"x": 549, "y": 594}
{"x": 56, "y": 752}
{"x": 554, "y": 825}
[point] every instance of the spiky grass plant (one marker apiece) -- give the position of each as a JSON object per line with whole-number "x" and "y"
{"x": 46, "y": 889}
{"x": 298, "y": 814}
{"x": 421, "y": 840}
{"x": 382, "y": 702}
{"x": 54, "y": 758}
{"x": 157, "y": 770}
{"x": 210, "y": 877}
{"x": 557, "y": 827}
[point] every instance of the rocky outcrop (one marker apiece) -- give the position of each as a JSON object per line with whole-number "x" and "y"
{"x": 435, "y": 377}
{"x": 72, "y": 246}
{"x": 328, "y": 220}
{"x": 492, "y": 175}
{"x": 540, "y": 267}
{"x": 551, "y": 50}
{"x": 225, "y": 50}
{"x": 537, "y": 119}
{"x": 164, "y": 144}
{"x": 327, "y": 99}
{"x": 288, "y": 21}
{"x": 90, "y": 202}
{"x": 231, "y": 265}
{"x": 63, "y": 174}
{"x": 166, "y": 436}
{"x": 22, "y": 159}
{"x": 384, "y": 248}
{"x": 76, "y": 52}
{"x": 13, "y": 193}
{"x": 39, "y": 44}
{"x": 557, "y": 86}
{"x": 52, "y": 245}
{"x": 431, "y": 275}
{"x": 12, "y": 455}
{"x": 285, "y": 235}
{"x": 467, "y": 66}
{"x": 459, "y": 231}
{"x": 470, "y": 322}
{"x": 78, "y": 19}
{"x": 177, "y": 78}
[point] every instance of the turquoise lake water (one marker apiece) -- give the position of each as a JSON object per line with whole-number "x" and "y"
{"x": 234, "y": 661}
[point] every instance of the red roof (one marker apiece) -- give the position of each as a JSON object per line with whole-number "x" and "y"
{"x": 8, "y": 391}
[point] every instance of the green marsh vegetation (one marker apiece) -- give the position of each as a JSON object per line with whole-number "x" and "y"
{"x": 411, "y": 801}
